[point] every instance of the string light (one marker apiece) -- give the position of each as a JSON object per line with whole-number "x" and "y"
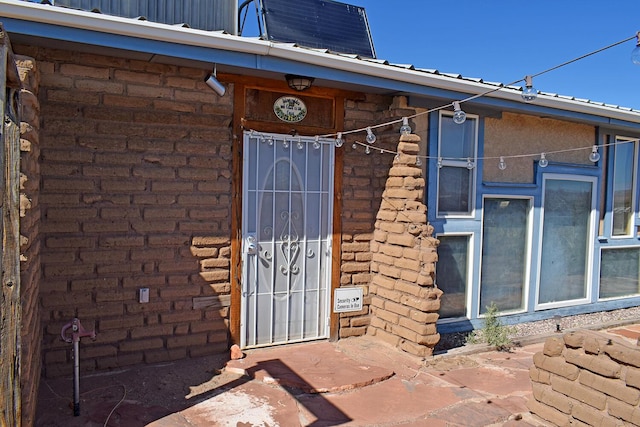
{"x": 502, "y": 165}
{"x": 316, "y": 142}
{"x": 459, "y": 116}
{"x": 529, "y": 93}
{"x": 367, "y": 150}
{"x": 439, "y": 162}
{"x": 405, "y": 129}
{"x": 418, "y": 161}
{"x": 285, "y": 143}
{"x": 339, "y": 140}
{"x": 371, "y": 138}
{"x": 543, "y": 163}
{"x": 594, "y": 156}
{"x": 470, "y": 164}
{"x": 300, "y": 145}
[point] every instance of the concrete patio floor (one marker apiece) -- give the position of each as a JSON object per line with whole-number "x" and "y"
{"x": 354, "y": 382}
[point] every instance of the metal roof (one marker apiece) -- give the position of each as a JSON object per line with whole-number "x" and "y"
{"x": 257, "y": 55}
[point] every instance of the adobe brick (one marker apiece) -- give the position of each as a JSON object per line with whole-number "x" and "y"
{"x": 632, "y": 377}
{"x": 118, "y": 100}
{"x": 149, "y": 92}
{"x": 556, "y": 365}
{"x": 421, "y": 304}
{"x": 548, "y": 413}
{"x": 90, "y": 351}
{"x": 97, "y": 226}
{"x": 623, "y": 353}
{"x": 385, "y": 315}
{"x": 389, "y": 271}
{"x": 85, "y": 87}
{"x": 61, "y": 270}
{"x": 546, "y": 395}
{"x": 385, "y": 337}
{"x": 121, "y": 241}
{"x": 413, "y": 217}
{"x": 601, "y": 365}
{"x": 409, "y": 276}
{"x": 424, "y": 329}
{"x": 592, "y": 417}
{"x": 145, "y": 227}
{"x": 76, "y": 70}
{"x": 391, "y": 250}
{"x": 615, "y": 388}
{"x": 405, "y": 333}
{"x": 408, "y": 287}
{"x": 538, "y": 375}
{"x": 407, "y": 264}
{"x": 624, "y": 411}
{"x": 579, "y": 392}
{"x": 186, "y": 340}
{"x": 100, "y": 310}
{"x": 141, "y": 345}
{"x": 406, "y": 239}
{"x": 103, "y": 257}
{"x": 115, "y": 295}
{"x": 181, "y": 316}
{"x": 415, "y": 349}
{"x": 122, "y": 322}
{"x": 151, "y": 331}
{"x": 122, "y": 186}
{"x": 553, "y": 347}
{"x": 574, "y": 339}
{"x": 119, "y": 361}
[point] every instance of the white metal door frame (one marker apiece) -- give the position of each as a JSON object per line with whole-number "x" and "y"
{"x": 286, "y": 238}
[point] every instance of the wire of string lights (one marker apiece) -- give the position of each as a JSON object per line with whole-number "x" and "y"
{"x": 529, "y": 94}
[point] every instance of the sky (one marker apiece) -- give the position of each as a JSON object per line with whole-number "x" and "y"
{"x": 503, "y": 41}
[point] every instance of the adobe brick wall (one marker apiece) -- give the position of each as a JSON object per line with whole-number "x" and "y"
{"x": 31, "y": 333}
{"x": 364, "y": 178}
{"x": 136, "y": 192}
{"x": 405, "y": 301}
{"x": 585, "y": 378}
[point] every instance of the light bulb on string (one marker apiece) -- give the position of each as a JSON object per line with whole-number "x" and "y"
{"x": 418, "y": 161}
{"x": 543, "y": 162}
{"x": 285, "y": 143}
{"x": 371, "y": 138}
{"x": 405, "y": 129}
{"x": 354, "y": 146}
{"x": 635, "y": 53}
{"x": 270, "y": 141}
{"x": 339, "y": 140}
{"x": 502, "y": 165}
{"x": 300, "y": 145}
{"x": 594, "y": 156}
{"x": 439, "y": 162}
{"x": 316, "y": 143}
{"x": 470, "y": 164}
{"x": 367, "y": 150}
{"x": 459, "y": 116}
{"x": 397, "y": 157}
{"x": 529, "y": 93}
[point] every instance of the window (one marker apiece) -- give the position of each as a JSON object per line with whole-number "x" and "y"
{"x": 452, "y": 274}
{"x": 624, "y": 166}
{"x": 457, "y": 161}
{"x": 566, "y": 239}
{"x": 619, "y": 272}
{"x": 505, "y": 245}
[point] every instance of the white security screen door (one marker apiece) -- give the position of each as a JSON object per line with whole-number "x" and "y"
{"x": 286, "y": 230}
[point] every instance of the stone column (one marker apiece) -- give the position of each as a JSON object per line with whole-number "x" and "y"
{"x": 405, "y": 301}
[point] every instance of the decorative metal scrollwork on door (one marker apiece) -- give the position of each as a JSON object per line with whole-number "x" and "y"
{"x": 290, "y": 245}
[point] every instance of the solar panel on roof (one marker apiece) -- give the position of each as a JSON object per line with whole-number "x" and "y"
{"x": 323, "y": 24}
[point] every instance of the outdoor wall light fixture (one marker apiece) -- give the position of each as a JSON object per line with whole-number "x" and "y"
{"x": 214, "y": 84}
{"x": 635, "y": 53}
{"x": 459, "y": 116}
{"x": 557, "y": 318}
{"x": 298, "y": 83}
{"x": 529, "y": 93}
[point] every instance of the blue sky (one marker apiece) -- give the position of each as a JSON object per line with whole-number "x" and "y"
{"x": 502, "y": 41}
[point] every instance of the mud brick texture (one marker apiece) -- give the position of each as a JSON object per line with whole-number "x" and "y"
{"x": 586, "y": 378}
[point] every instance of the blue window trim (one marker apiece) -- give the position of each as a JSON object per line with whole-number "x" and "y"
{"x": 473, "y": 225}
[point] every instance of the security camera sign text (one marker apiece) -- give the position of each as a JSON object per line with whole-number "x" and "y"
{"x": 347, "y": 299}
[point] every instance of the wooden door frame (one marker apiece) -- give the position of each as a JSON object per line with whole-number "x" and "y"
{"x": 240, "y": 124}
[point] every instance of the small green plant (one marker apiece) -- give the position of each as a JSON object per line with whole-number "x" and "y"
{"x": 493, "y": 332}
